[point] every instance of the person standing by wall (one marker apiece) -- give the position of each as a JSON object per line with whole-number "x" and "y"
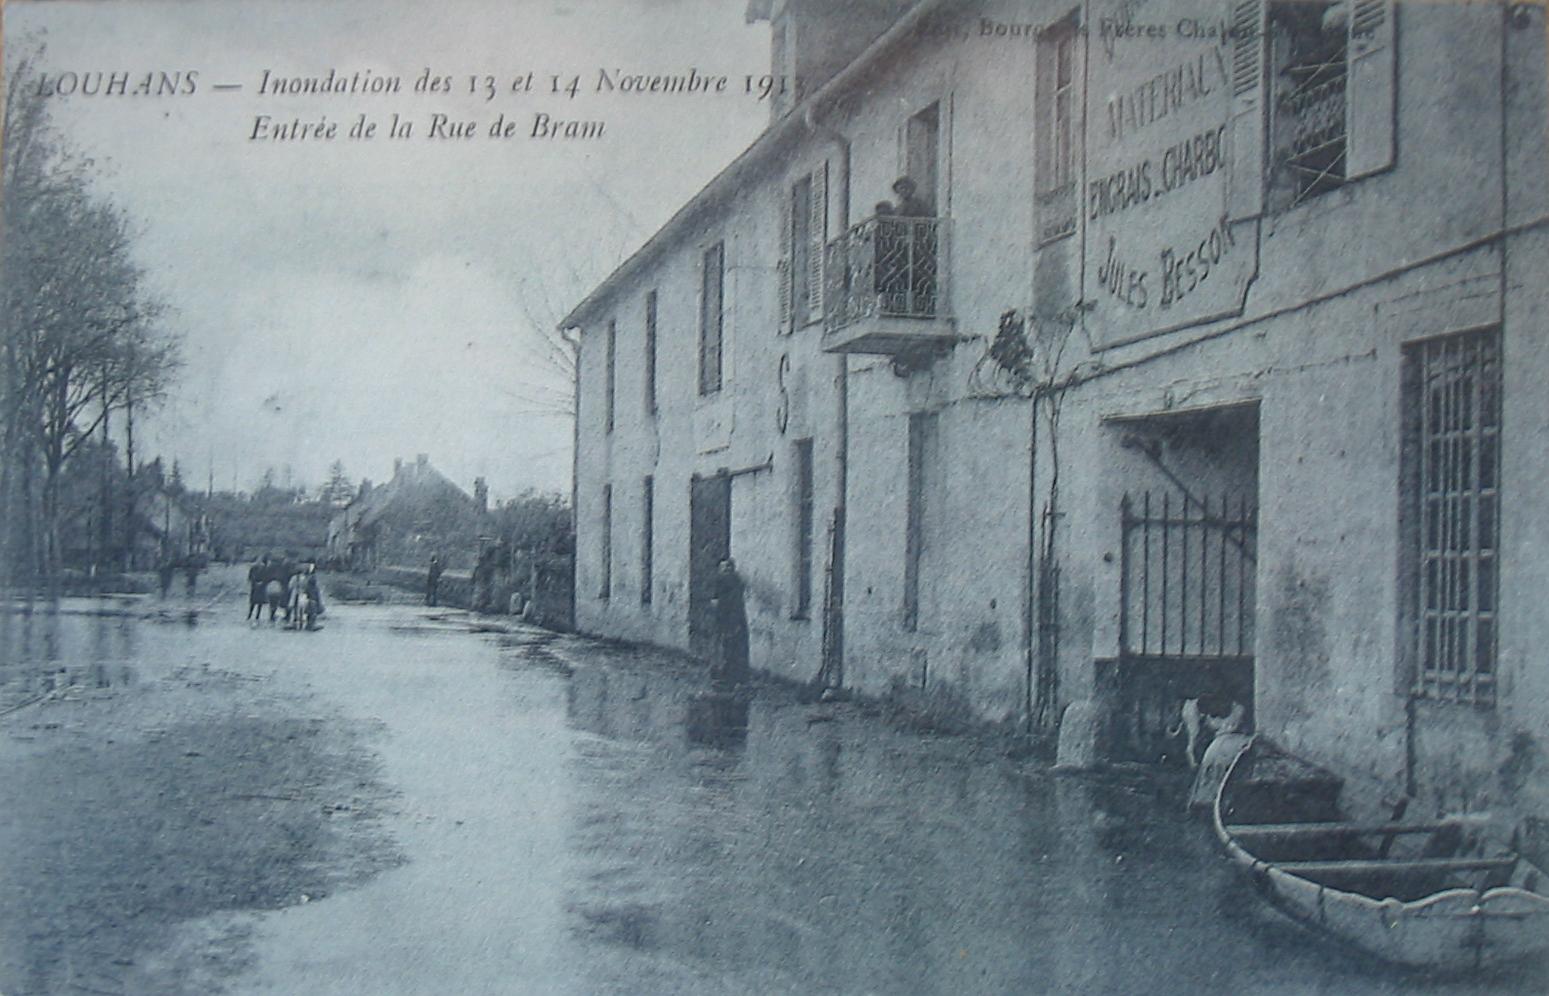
{"x": 432, "y": 580}
{"x": 731, "y": 617}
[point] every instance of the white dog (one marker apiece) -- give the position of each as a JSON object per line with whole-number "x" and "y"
{"x": 1200, "y": 726}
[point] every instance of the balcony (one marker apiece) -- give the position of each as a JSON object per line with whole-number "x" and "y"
{"x": 885, "y": 288}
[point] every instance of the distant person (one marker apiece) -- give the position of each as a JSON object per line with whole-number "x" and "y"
{"x": 164, "y": 572}
{"x": 257, "y": 578}
{"x": 191, "y": 572}
{"x": 432, "y": 580}
{"x": 731, "y": 623}
{"x": 314, "y": 592}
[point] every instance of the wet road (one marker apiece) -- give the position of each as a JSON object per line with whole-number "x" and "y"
{"x": 554, "y": 828}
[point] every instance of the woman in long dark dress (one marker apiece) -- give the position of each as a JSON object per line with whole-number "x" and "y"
{"x": 731, "y": 619}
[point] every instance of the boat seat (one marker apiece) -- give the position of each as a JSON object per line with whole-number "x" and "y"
{"x": 1412, "y": 866}
{"x": 1259, "y": 831}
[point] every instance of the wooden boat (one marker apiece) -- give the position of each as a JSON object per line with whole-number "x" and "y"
{"x": 1430, "y": 894}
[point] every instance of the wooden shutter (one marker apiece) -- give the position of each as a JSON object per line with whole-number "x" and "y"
{"x": 711, "y": 292}
{"x": 783, "y": 275}
{"x": 817, "y": 232}
{"x": 1245, "y": 186}
{"x": 1369, "y": 89}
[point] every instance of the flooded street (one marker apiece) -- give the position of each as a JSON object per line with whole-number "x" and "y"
{"x": 399, "y": 804}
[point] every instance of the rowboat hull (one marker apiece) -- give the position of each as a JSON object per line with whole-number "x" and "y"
{"x": 1453, "y": 928}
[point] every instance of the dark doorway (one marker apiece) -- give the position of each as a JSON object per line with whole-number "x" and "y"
{"x": 709, "y": 538}
{"x": 1188, "y": 570}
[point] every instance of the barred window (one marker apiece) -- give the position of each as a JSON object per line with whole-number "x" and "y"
{"x": 1309, "y": 56}
{"x": 1453, "y": 457}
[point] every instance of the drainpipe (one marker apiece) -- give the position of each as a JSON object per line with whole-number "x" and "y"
{"x": 1028, "y": 616}
{"x": 842, "y": 379}
{"x": 572, "y": 337}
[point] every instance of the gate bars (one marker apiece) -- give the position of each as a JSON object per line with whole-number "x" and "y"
{"x": 1186, "y": 577}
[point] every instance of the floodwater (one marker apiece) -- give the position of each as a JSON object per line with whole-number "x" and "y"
{"x": 565, "y": 827}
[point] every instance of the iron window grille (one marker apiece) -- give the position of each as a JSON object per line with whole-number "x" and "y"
{"x": 1311, "y": 57}
{"x": 1453, "y": 388}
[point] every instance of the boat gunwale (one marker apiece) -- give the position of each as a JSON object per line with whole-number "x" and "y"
{"x": 1433, "y": 907}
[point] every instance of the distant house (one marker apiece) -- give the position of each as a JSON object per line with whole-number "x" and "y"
{"x": 417, "y": 514}
{"x": 168, "y": 527}
{"x": 275, "y": 522}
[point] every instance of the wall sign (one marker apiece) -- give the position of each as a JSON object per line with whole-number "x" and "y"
{"x": 1160, "y": 250}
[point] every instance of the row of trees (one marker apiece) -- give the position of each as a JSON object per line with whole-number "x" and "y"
{"x": 83, "y": 341}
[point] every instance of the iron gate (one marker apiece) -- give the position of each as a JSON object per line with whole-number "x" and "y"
{"x": 1186, "y": 616}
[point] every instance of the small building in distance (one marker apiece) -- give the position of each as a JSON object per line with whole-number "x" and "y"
{"x": 418, "y": 513}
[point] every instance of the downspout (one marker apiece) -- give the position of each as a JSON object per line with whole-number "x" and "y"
{"x": 574, "y": 341}
{"x": 834, "y": 615}
{"x": 1028, "y": 616}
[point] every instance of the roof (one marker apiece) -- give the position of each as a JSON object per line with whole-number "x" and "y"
{"x": 409, "y": 477}
{"x": 754, "y": 158}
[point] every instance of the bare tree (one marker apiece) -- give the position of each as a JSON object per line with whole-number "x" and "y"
{"x": 81, "y": 336}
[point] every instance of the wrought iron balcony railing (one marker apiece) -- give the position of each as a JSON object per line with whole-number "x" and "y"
{"x": 885, "y": 267}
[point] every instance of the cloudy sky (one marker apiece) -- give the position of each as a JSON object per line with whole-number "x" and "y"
{"x": 365, "y": 299}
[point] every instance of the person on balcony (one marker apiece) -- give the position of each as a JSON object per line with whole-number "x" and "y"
{"x": 909, "y": 203}
{"x": 905, "y": 251}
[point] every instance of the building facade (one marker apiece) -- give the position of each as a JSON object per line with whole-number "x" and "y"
{"x": 1200, "y": 361}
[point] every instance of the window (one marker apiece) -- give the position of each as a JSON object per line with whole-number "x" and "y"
{"x": 1055, "y": 113}
{"x": 647, "y": 535}
{"x": 803, "y": 235}
{"x": 922, "y": 434}
{"x": 802, "y": 561}
{"x": 605, "y": 588}
{"x": 801, "y": 246}
{"x": 1308, "y": 64}
{"x": 1313, "y": 91}
{"x": 650, "y": 353}
{"x": 1452, "y": 463}
{"x": 613, "y": 348}
{"x": 712, "y": 291}
{"x": 922, "y": 156}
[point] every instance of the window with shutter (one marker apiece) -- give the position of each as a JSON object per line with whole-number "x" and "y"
{"x": 611, "y": 373}
{"x": 650, "y": 352}
{"x": 817, "y": 235}
{"x": 1370, "y": 109}
{"x": 711, "y": 316}
{"x": 783, "y": 271}
{"x": 1056, "y": 119}
{"x": 800, "y": 250}
{"x": 1245, "y": 184}
{"x": 1330, "y": 84}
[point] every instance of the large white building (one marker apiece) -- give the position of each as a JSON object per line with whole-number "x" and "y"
{"x": 1208, "y": 361}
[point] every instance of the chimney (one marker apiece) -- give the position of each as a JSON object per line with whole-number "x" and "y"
{"x": 811, "y": 40}
{"x": 481, "y": 494}
{"x": 397, "y": 466}
{"x": 421, "y": 461}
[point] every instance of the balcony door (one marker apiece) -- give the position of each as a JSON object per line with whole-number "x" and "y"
{"x": 922, "y": 156}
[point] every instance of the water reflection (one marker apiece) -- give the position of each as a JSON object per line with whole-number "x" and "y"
{"x": 827, "y": 852}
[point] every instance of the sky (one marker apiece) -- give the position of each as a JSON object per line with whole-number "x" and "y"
{"x": 365, "y": 299}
